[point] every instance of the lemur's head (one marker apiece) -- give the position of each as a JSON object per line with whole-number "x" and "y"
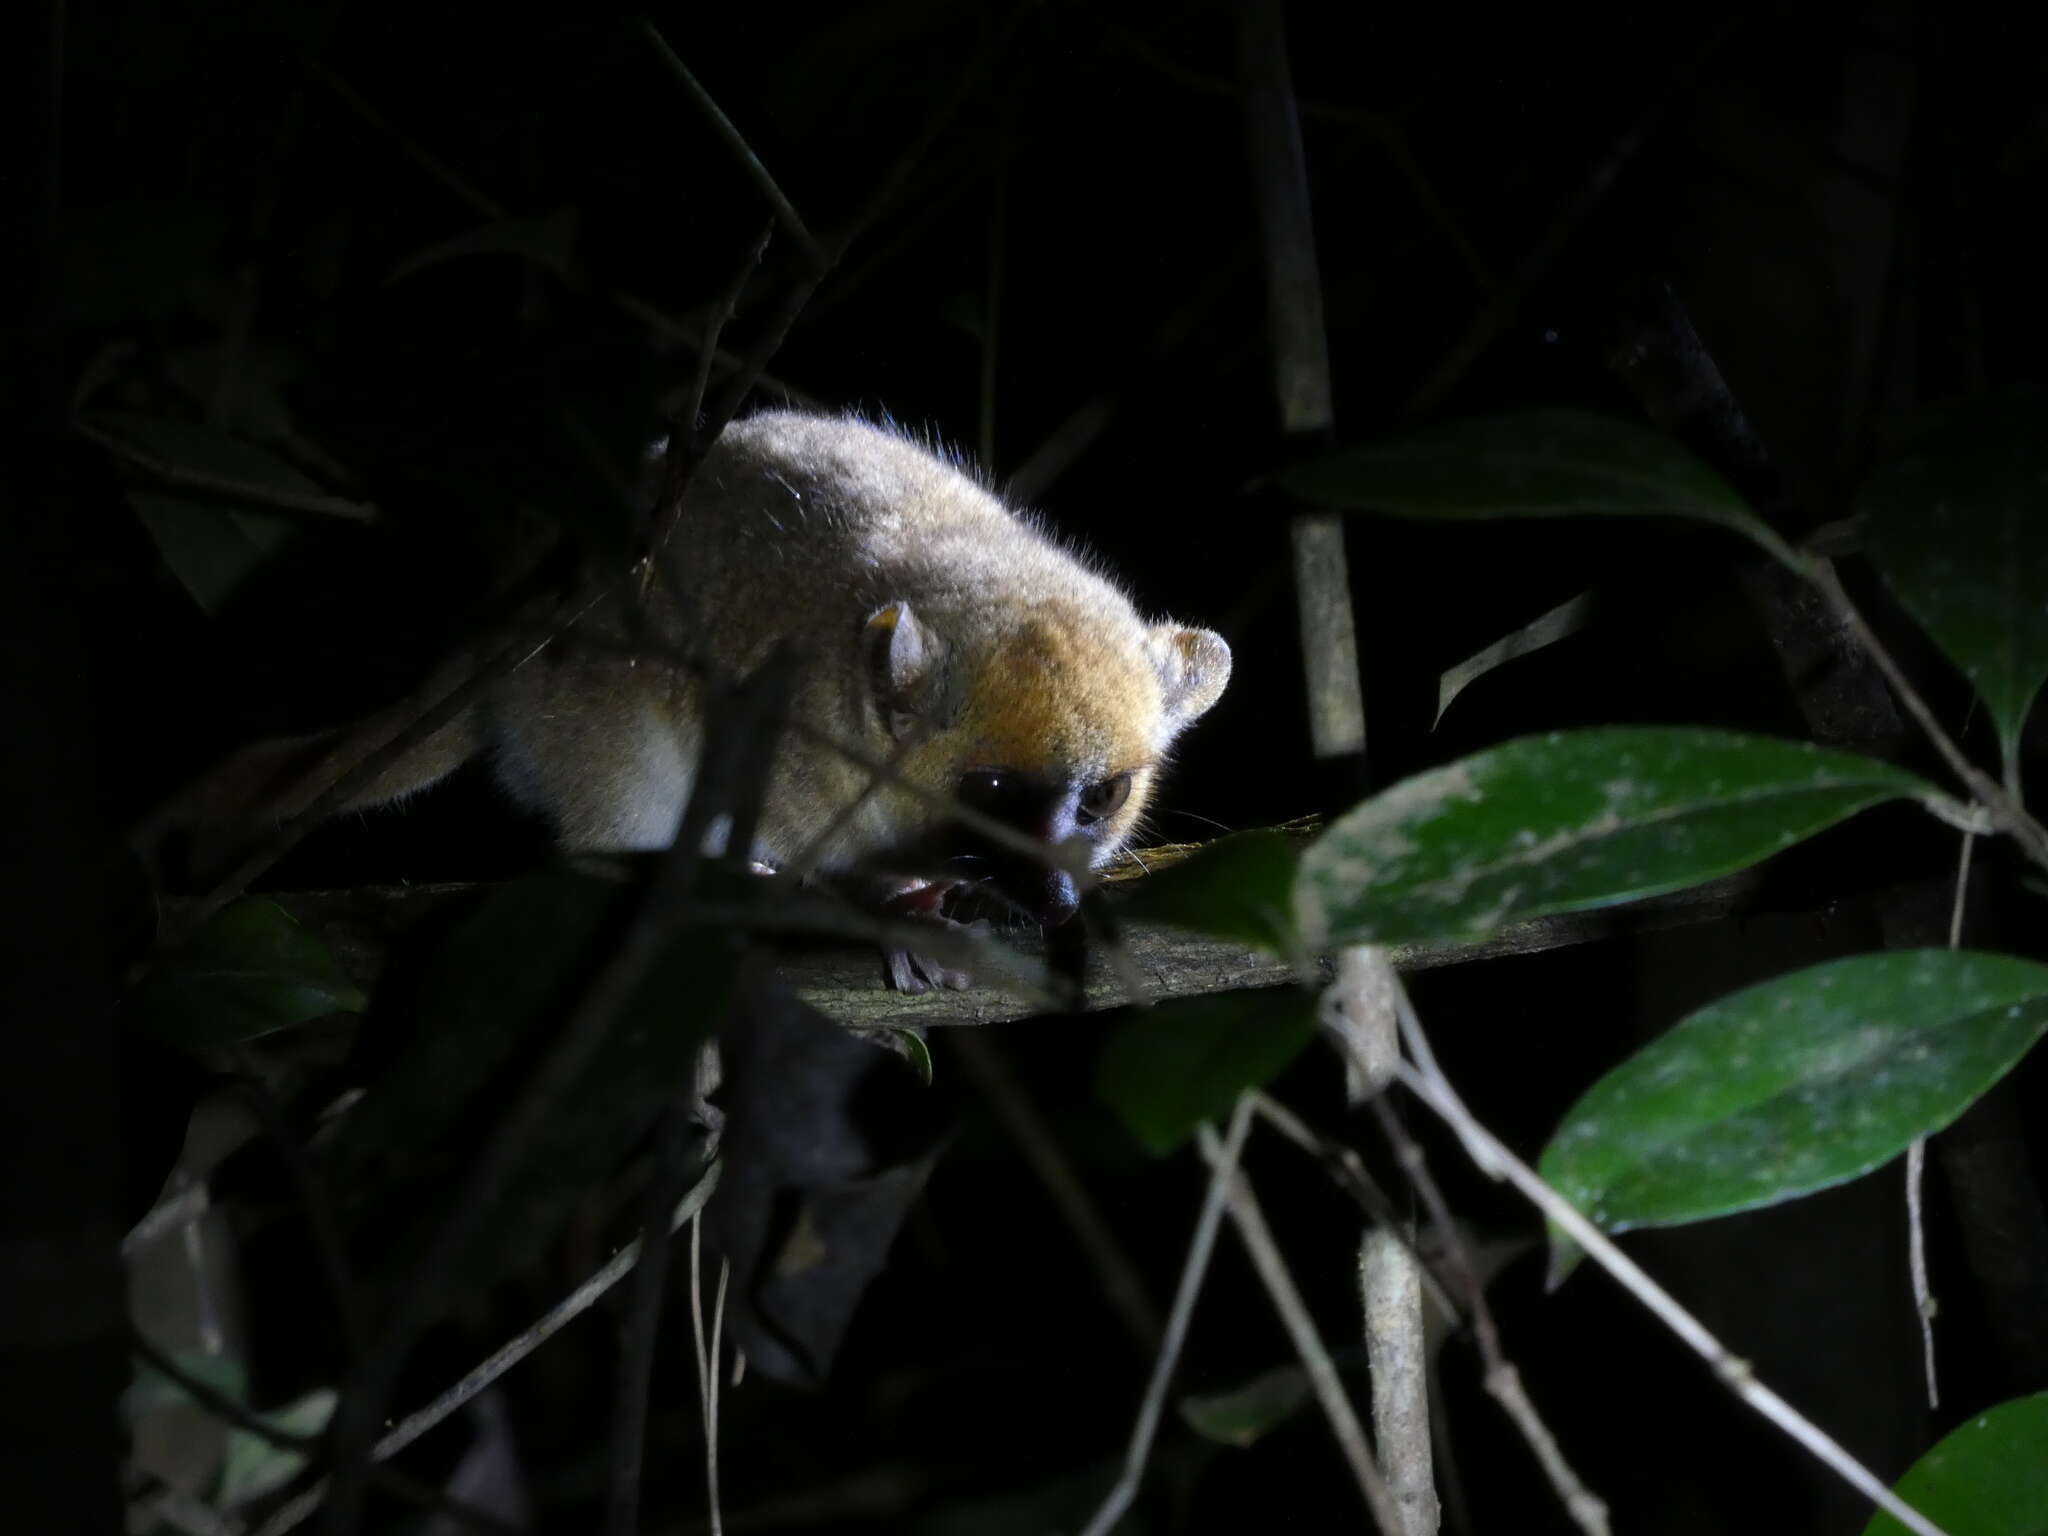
{"x": 1049, "y": 719}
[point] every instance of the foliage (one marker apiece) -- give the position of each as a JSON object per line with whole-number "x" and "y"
{"x": 1792, "y": 1085}
{"x": 1987, "y": 1478}
{"x": 1958, "y": 525}
{"x": 249, "y": 971}
{"x": 1182, "y": 1062}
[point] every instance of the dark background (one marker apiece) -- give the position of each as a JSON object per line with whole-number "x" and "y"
{"x": 412, "y": 249}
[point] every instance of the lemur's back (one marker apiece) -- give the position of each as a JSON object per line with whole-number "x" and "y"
{"x": 801, "y": 526}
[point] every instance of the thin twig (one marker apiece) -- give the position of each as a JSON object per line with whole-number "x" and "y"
{"x": 1121, "y": 1283}
{"x": 734, "y": 771}
{"x": 1427, "y": 1081}
{"x": 711, "y": 1398}
{"x": 1315, "y": 1359}
{"x": 785, "y": 211}
{"x": 242, "y": 1417}
{"x": 675, "y": 1167}
{"x": 501, "y": 1360}
{"x": 1924, "y": 1306}
{"x": 437, "y": 703}
{"x": 576, "y": 1303}
{"x": 1503, "y": 1380}
{"x": 1200, "y": 1246}
{"x": 715, "y": 323}
{"x": 1916, "y": 1262}
{"x": 481, "y": 203}
{"x": 313, "y": 1199}
{"x": 214, "y": 1400}
{"x": 1494, "y": 317}
{"x": 276, "y": 498}
{"x": 2005, "y": 812}
{"x": 1347, "y": 1170}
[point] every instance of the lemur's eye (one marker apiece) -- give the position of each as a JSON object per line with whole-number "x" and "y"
{"x": 995, "y": 792}
{"x": 1104, "y": 799}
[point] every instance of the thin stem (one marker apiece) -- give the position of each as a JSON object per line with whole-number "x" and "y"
{"x": 1955, "y": 914}
{"x": 641, "y": 1329}
{"x": 1315, "y": 1359}
{"x": 785, "y": 211}
{"x": 711, "y": 1392}
{"x": 1121, "y": 1284}
{"x": 1916, "y": 1261}
{"x": 1429, "y": 1084}
{"x": 275, "y": 498}
{"x": 2006, "y": 812}
{"x": 1200, "y": 1247}
{"x": 501, "y": 1360}
{"x": 1503, "y": 1380}
{"x": 1348, "y": 1172}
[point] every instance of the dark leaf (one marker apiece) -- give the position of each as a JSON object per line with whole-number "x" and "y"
{"x": 1959, "y": 528}
{"x": 249, "y": 971}
{"x": 1238, "y": 887}
{"x": 1560, "y": 463}
{"x": 828, "y": 1140}
{"x": 1169, "y": 1068}
{"x": 471, "y": 1021}
{"x": 210, "y": 549}
{"x": 548, "y": 242}
{"x": 1243, "y": 1415}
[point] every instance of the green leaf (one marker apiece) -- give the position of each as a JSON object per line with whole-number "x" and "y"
{"x": 252, "y": 1466}
{"x": 249, "y": 971}
{"x": 548, "y": 242}
{"x": 1793, "y": 1085}
{"x": 1244, "y": 1414}
{"x": 1561, "y": 622}
{"x": 210, "y": 544}
{"x": 1173, "y": 1066}
{"x": 1238, "y": 887}
{"x": 1988, "y": 1477}
{"x": 1959, "y": 529}
{"x": 1572, "y": 820}
{"x": 210, "y": 549}
{"x": 151, "y": 1389}
{"x": 1559, "y": 463}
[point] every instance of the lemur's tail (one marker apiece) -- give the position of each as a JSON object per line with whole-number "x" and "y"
{"x": 270, "y": 781}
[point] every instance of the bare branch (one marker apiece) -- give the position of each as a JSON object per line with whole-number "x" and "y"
{"x": 1427, "y": 1081}
{"x": 2007, "y": 814}
{"x": 1122, "y": 1285}
{"x": 677, "y": 1166}
{"x": 568, "y": 1309}
{"x": 1322, "y": 1374}
{"x": 1503, "y": 1380}
{"x": 275, "y": 498}
{"x": 1200, "y": 1247}
{"x": 785, "y": 211}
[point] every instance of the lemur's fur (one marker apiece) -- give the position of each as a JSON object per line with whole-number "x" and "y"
{"x": 934, "y": 621}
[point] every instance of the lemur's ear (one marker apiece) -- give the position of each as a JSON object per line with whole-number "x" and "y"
{"x": 906, "y": 667}
{"x": 1193, "y": 666}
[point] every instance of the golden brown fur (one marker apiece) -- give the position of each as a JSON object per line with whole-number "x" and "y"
{"x": 932, "y": 619}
